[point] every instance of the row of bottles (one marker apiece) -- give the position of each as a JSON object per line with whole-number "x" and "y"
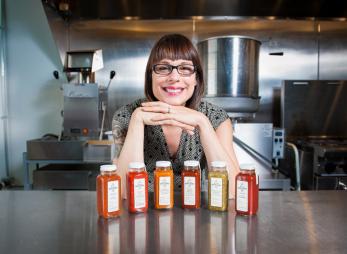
{"x": 109, "y": 188}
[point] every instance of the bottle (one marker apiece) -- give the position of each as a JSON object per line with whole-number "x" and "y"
{"x": 137, "y": 182}
{"x": 218, "y": 186}
{"x": 247, "y": 188}
{"x": 191, "y": 185}
{"x": 108, "y": 187}
{"x": 163, "y": 185}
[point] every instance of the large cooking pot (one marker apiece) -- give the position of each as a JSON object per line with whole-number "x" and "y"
{"x": 230, "y": 65}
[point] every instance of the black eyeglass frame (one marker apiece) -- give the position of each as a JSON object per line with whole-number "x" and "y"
{"x": 172, "y": 67}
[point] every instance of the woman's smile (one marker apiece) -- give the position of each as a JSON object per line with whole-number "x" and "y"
{"x": 173, "y": 91}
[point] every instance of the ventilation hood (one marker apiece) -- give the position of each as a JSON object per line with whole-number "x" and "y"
{"x": 178, "y": 9}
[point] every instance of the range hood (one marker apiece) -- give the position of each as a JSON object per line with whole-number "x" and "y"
{"x": 178, "y": 9}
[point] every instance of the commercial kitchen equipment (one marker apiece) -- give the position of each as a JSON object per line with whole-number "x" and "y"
{"x": 82, "y": 140}
{"x": 315, "y": 119}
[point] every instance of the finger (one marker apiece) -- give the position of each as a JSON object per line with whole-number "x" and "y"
{"x": 156, "y": 109}
{"x": 154, "y": 104}
{"x": 171, "y": 122}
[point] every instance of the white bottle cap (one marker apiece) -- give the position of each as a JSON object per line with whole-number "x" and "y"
{"x": 218, "y": 164}
{"x": 136, "y": 165}
{"x": 163, "y": 164}
{"x": 108, "y": 168}
{"x": 191, "y": 163}
{"x": 247, "y": 166}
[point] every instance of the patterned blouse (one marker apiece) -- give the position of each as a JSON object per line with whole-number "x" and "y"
{"x": 155, "y": 146}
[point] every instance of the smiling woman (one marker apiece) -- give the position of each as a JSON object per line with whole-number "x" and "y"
{"x": 173, "y": 123}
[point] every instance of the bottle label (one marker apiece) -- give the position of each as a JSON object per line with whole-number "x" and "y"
{"x": 216, "y": 191}
{"x": 189, "y": 190}
{"x": 164, "y": 190}
{"x": 242, "y": 196}
{"x": 139, "y": 193}
{"x": 113, "y": 196}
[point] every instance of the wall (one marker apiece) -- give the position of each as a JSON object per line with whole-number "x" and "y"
{"x": 34, "y": 97}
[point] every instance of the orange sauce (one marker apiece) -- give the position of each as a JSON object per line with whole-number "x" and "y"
{"x": 108, "y": 188}
{"x": 163, "y": 185}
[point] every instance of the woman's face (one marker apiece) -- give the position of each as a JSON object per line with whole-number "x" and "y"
{"x": 173, "y": 89}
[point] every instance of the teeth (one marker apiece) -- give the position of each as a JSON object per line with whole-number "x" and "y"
{"x": 173, "y": 90}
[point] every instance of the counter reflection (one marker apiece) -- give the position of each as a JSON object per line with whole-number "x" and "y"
{"x": 108, "y": 236}
{"x": 246, "y": 228}
{"x": 138, "y": 233}
{"x": 191, "y": 236}
{"x": 163, "y": 233}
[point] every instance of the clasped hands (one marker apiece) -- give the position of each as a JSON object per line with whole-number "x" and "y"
{"x": 161, "y": 113}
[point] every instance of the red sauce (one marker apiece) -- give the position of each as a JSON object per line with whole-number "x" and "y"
{"x": 191, "y": 185}
{"x": 137, "y": 188}
{"x": 247, "y": 189}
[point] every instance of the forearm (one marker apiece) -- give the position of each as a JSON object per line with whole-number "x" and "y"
{"x": 132, "y": 150}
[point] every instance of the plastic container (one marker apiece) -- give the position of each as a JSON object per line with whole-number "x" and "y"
{"x": 137, "y": 183}
{"x": 108, "y": 188}
{"x": 163, "y": 185}
{"x": 218, "y": 186}
{"x": 247, "y": 190}
{"x": 191, "y": 184}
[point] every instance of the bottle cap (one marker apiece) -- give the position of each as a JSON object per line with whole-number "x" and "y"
{"x": 218, "y": 164}
{"x": 163, "y": 164}
{"x": 191, "y": 163}
{"x": 136, "y": 165}
{"x": 247, "y": 166}
{"x": 108, "y": 168}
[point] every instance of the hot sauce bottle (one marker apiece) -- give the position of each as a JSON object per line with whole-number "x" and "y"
{"x": 108, "y": 187}
{"x": 191, "y": 185}
{"x": 163, "y": 185}
{"x": 218, "y": 186}
{"x": 247, "y": 188}
{"x": 137, "y": 187}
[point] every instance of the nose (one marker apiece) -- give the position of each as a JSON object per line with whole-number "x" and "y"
{"x": 174, "y": 75}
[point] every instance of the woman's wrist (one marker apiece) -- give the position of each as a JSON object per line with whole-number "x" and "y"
{"x": 136, "y": 118}
{"x": 204, "y": 123}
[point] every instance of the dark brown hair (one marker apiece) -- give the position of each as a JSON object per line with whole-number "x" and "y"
{"x": 174, "y": 47}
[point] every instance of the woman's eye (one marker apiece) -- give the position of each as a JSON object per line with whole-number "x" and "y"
{"x": 162, "y": 68}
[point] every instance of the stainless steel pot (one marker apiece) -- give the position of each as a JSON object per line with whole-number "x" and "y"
{"x": 230, "y": 65}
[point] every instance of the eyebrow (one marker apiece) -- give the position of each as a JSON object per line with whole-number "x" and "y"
{"x": 166, "y": 62}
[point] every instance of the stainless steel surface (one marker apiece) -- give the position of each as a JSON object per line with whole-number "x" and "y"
{"x": 259, "y": 137}
{"x": 126, "y": 46}
{"x": 41, "y": 149}
{"x": 230, "y": 65}
{"x": 108, "y": 9}
{"x": 67, "y": 222}
{"x": 81, "y": 110}
{"x": 314, "y": 108}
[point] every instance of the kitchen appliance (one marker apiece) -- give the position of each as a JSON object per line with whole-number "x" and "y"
{"x": 81, "y": 140}
{"x": 313, "y": 115}
{"x": 230, "y": 64}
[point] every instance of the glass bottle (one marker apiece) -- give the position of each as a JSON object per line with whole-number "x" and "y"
{"x": 163, "y": 185}
{"x": 108, "y": 187}
{"x": 191, "y": 185}
{"x": 137, "y": 182}
{"x": 218, "y": 193}
{"x": 247, "y": 188}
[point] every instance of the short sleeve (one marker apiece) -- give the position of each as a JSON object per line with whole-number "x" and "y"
{"x": 121, "y": 119}
{"x": 216, "y": 114}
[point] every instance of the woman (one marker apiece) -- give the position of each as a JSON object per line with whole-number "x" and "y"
{"x": 172, "y": 123}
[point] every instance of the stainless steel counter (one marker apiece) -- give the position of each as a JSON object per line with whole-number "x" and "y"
{"x": 67, "y": 222}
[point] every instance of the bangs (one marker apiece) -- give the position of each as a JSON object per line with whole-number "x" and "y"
{"x": 173, "y": 50}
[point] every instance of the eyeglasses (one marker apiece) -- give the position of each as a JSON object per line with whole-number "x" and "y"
{"x": 166, "y": 69}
